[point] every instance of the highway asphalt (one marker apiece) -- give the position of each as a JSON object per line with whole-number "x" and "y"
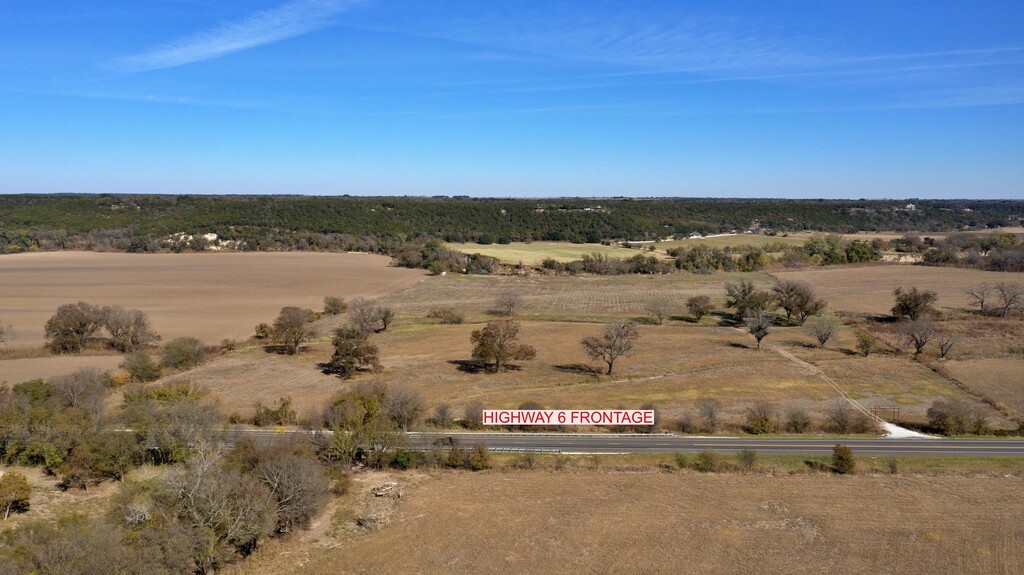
{"x": 662, "y": 443}
{"x": 666, "y": 443}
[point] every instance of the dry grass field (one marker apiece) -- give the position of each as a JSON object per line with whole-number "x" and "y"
{"x": 210, "y": 296}
{"x": 14, "y": 371}
{"x": 647, "y": 522}
{"x": 1001, "y": 379}
{"x": 553, "y": 297}
{"x": 868, "y": 289}
{"x": 987, "y": 358}
{"x": 675, "y": 365}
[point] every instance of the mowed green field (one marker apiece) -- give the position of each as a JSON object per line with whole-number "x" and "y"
{"x": 732, "y": 240}
{"x": 535, "y": 252}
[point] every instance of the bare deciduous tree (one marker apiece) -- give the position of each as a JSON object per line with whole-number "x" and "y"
{"x": 1011, "y": 298}
{"x": 711, "y": 411}
{"x": 980, "y": 296}
{"x": 404, "y": 406}
{"x": 918, "y": 334}
{"x": 498, "y": 343}
{"x": 797, "y": 299}
{"x": 956, "y": 417}
{"x": 508, "y": 303}
{"x": 946, "y": 344}
{"x": 443, "y": 415}
{"x": 822, "y": 330}
{"x": 85, "y": 389}
{"x": 619, "y": 339}
{"x": 473, "y": 415}
{"x": 370, "y": 316}
{"x": 660, "y": 308}
{"x": 129, "y": 329}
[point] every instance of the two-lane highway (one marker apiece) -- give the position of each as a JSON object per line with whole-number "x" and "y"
{"x": 665, "y": 443}
{"x": 668, "y": 443}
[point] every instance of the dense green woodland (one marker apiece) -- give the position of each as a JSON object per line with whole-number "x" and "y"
{"x": 139, "y": 222}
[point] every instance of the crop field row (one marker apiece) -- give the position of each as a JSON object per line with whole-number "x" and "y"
{"x": 211, "y": 296}
{"x": 615, "y": 295}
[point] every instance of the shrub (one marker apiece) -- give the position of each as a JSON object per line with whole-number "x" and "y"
{"x": 341, "y": 482}
{"x": 141, "y": 367}
{"x": 707, "y": 461}
{"x": 406, "y": 459}
{"x": 183, "y": 353}
{"x": 473, "y": 417}
{"x": 686, "y": 424}
{"x": 479, "y": 458}
{"x": 761, "y": 418}
{"x": 446, "y": 315}
{"x": 682, "y": 460}
{"x": 747, "y": 458}
{"x": 263, "y": 331}
{"x": 15, "y": 492}
{"x": 866, "y": 343}
{"x": 456, "y": 458}
{"x": 524, "y": 461}
{"x": 283, "y": 414}
{"x": 334, "y": 305}
{"x": 842, "y": 459}
{"x": 443, "y": 415}
{"x": 711, "y": 411}
{"x": 956, "y": 417}
{"x": 894, "y": 466}
{"x": 797, "y": 420}
{"x": 699, "y": 306}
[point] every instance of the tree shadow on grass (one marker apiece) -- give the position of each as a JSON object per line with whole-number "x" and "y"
{"x": 739, "y": 345}
{"x": 645, "y": 320}
{"x": 477, "y": 366}
{"x": 727, "y": 319}
{"x": 578, "y": 368}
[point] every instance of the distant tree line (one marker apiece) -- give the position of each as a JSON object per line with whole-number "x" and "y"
{"x": 384, "y": 225}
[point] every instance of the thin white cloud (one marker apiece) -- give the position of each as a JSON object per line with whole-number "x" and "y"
{"x": 291, "y": 19}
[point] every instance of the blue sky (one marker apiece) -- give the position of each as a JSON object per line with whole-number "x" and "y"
{"x": 514, "y": 98}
